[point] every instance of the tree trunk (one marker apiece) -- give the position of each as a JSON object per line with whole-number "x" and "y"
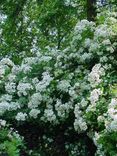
{"x": 91, "y": 10}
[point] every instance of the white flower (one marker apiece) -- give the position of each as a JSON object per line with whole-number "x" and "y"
{"x": 87, "y": 42}
{"x": 16, "y": 69}
{"x": 6, "y": 61}
{"x": 112, "y": 111}
{"x": 14, "y": 105}
{"x": 21, "y": 116}
{"x": 100, "y": 118}
{"x": 35, "y": 81}
{"x": 23, "y": 88}
{"x": 102, "y": 31}
{"x": 11, "y": 77}
{"x": 2, "y": 71}
{"x": 63, "y": 109}
{"x": 29, "y": 61}
{"x": 2, "y": 122}
{"x": 94, "y": 76}
{"x": 6, "y": 97}
{"x": 110, "y": 49}
{"x": 77, "y": 111}
{"x": 106, "y": 42}
{"x": 94, "y": 79}
{"x": 113, "y": 103}
{"x": 63, "y": 85}
{"x": 26, "y": 68}
{"x": 73, "y": 93}
{"x": 83, "y": 125}
{"x": 41, "y": 86}
{"x": 34, "y": 113}
{"x": 103, "y": 59}
{"x": 35, "y": 100}
{"x": 49, "y": 116}
{"x": 4, "y": 106}
{"x": 94, "y": 47}
{"x": 85, "y": 56}
{"x": 10, "y": 87}
{"x": 8, "y": 106}
{"x": 94, "y": 97}
{"x": 96, "y": 138}
{"x": 83, "y": 103}
{"x": 80, "y": 125}
{"x": 113, "y": 125}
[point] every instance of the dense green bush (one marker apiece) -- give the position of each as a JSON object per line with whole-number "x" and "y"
{"x": 11, "y": 143}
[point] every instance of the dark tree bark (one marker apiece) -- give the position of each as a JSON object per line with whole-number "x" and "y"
{"x": 91, "y": 10}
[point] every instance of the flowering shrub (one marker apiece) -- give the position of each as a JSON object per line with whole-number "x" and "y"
{"x": 70, "y": 85}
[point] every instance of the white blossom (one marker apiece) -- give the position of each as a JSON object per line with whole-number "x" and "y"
{"x": 35, "y": 100}
{"x": 6, "y": 61}
{"x": 94, "y": 76}
{"x": 34, "y": 113}
{"x": 49, "y": 115}
{"x": 2, "y": 123}
{"x": 10, "y": 87}
{"x": 94, "y": 97}
{"x": 63, "y": 85}
{"x": 23, "y": 88}
{"x": 21, "y": 116}
{"x": 46, "y": 79}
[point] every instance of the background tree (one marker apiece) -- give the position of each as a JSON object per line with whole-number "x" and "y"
{"x": 32, "y": 24}
{"x": 91, "y": 10}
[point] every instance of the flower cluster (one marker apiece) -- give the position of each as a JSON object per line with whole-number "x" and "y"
{"x": 94, "y": 76}
{"x": 79, "y": 124}
{"x": 111, "y": 123}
